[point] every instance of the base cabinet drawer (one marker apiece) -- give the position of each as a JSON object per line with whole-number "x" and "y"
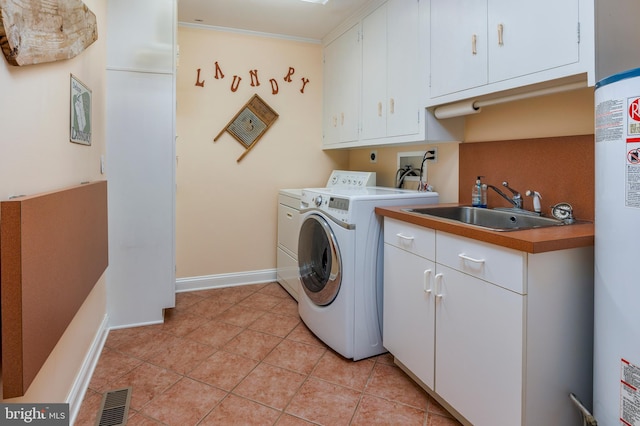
{"x": 412, "y": 238}
{"x": 498, "y": 265}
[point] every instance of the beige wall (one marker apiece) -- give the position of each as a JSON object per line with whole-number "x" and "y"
{"x": 442, "y": 174}
{"x": 36, "y": 156}
{"x": 564, "y": 114}
{"x": 225, "y": 210}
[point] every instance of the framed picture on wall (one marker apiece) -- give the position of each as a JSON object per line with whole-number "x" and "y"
{"x": 250, "y": 123}
{"x": 80, "y": 117}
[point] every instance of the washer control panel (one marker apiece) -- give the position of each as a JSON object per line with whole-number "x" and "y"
{"x": 335, "y": 206}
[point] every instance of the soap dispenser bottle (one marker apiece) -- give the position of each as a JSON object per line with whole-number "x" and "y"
{"x": 479, "y": 194}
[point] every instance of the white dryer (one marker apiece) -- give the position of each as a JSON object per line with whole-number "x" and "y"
{"x": 340, "y": 250}
{"x": 287, "y": 249}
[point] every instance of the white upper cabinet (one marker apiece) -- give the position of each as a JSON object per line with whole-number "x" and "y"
{"x": 342, "y": 65}
{"x": 458, "y": 45}
{"x": 374, "y": 75}
{"x": 374, "y": 87}
{"x": 391, "y": 96}
{"x": 484, "y": 46}
{"x": 528, "y": 37}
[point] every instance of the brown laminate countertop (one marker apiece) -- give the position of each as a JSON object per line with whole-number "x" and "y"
{"x": 529, "y": 240}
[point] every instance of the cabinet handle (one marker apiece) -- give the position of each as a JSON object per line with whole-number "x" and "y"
{"x": 500, "y": 31}
{"x": 426, "y": 281}
{"x": 470, "y": 259}
{"x": 342, "y": 118}
{"x": 392, "y": 105}
{"x": 379, "y": 109}
{"x": 404, "y": 237}
{"x": 335, "y": 121}
{"x": 474, "y": 42}
{"x": 438, "y": 279}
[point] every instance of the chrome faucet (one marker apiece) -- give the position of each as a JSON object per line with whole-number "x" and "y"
{"x": 516, "y": 200}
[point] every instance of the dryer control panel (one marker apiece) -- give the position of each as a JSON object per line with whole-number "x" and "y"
{"x": 347, "y": 179}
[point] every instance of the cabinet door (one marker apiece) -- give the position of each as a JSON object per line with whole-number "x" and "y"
{"x": 536, "y": 36}
{"x": 342, "y": 68}
{"x": 405, "y": 68}
{"x": 330, "y": 94}
{"x": 391, "y": 70}
{"x": 458, "y": 45}
{"x": 140, "y": 116}
{"x": 408, "y": 319}
{"x": 479, "y": 348}
{"x": 374, "y": 74}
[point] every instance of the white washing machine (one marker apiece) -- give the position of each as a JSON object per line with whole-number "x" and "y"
{"x": 287, "y": 272}
{"x": 340, "y": 250}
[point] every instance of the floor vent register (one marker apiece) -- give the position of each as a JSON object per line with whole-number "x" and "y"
{"x": 114, "y": 409}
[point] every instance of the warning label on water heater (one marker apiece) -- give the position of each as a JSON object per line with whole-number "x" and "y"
{"x": 618, "y": 123}
{"x": 610, "y": 120}
{"x": 632, "y": 190}
{"x": 629, "y": 394}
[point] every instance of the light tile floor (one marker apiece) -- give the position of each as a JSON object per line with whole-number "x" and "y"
{"x": 242, "y": 356}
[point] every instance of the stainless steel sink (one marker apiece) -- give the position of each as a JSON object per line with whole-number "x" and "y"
{"x": 495, "y": 220}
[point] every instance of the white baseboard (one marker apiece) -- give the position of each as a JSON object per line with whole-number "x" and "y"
{"x": 225, "y": 280}
{"x": 79, "y": 389}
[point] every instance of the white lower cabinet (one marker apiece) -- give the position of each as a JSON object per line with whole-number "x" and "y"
{"x": 479, "y": 348}
{"x": 502, "y": 337}
{"x": 409, "y": 311}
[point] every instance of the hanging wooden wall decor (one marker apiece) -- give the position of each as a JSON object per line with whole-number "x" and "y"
{"x": 250, "y": 123}
{"x": 38, "y": 31}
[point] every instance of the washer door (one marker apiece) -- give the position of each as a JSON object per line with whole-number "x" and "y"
{"x": 319, "y": 261}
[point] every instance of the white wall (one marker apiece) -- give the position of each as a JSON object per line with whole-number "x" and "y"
{"x": 36, "y": 156}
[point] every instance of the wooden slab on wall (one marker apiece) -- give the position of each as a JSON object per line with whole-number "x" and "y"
{"x": 53, "y": 250}
{"x": 38, "y": 31}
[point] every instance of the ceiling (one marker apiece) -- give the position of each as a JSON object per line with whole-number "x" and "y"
{"x": 292, "y": 18}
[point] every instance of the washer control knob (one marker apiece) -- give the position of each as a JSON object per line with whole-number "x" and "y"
{"x": 318, "y": 200}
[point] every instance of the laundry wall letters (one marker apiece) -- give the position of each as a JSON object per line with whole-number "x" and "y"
{"x": 253, "y": 77}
